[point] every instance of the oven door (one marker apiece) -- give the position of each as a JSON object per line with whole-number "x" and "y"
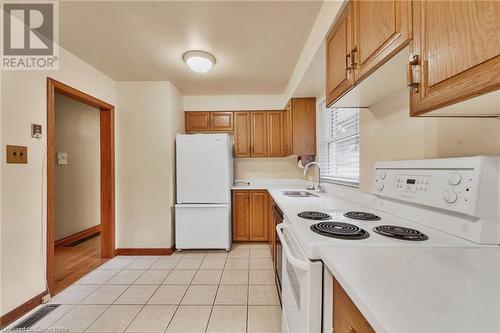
{"x": 301, "y": 283}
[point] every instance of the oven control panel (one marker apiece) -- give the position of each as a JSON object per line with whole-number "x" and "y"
{"x": 441, "y": 188}
{"x": 461, "y": 185}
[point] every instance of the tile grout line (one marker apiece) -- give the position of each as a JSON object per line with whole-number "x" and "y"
{"x": 145, "y": 303}
{"x": 248, "y": 287}
{"x": 185, "y": 292}
{"x": 216, "y": 293}
{"x": 179, "y": 304}
{"x": 86, "y": 329}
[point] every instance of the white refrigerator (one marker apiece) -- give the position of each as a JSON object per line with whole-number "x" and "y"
{"x": 204, "y": 179}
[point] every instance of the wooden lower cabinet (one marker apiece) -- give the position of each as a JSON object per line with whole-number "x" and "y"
{"x": 346, "y": 316}
{"x": 271, "y": 225}
{"x": 241, "y": 215}
{"x": 250, "y": 215}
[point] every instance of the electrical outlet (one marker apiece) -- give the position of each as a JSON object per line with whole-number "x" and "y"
{"x": 17, "y": 154}
{"x": 36, "y": 131}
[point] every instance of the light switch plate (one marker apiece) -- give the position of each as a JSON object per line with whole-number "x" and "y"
{"x": 17, "y": 154}
{"x": 62, "y": 158}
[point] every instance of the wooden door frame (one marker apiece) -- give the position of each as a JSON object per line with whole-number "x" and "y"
{"x": 107, "y": 170}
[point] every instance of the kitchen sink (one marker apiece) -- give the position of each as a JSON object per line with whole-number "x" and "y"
{"x": 298, "y": 194}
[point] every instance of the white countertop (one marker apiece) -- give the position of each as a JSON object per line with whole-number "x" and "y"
{"x": 268, "y": 184}
{"x": 406, "y": 288}
{"x": 421, "y": 289}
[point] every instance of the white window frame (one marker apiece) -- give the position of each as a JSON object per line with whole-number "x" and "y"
{"x": 326, "y": 138}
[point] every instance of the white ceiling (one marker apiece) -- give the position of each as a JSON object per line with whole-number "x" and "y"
{"x": 256, "y": 43}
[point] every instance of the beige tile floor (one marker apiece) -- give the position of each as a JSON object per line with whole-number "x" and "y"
{"x": 189, "y": 291}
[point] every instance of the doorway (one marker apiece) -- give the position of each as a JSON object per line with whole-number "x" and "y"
{"x": 74, "y": 250}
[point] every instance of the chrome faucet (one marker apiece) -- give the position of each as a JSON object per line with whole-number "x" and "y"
{"x": 320, "y": 187}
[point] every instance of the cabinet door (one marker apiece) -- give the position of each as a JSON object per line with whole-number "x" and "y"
{"x": 288, "y": 128}
{"x": 258, "y": 216}
{"x": 259, "y": 134}
{"x": 221, "y": 121}
{"x": 241, "y": 215}
{"x": 458, "y": 48}
{"x": 303, "y": 114}
{"x": 346, "y": 316}
{"x": 339, "y": 44}
{"x": 275, "y": 133}
{"x": 271, "y": 225}
{"x": 381, "y": 29}
{"x": 242, "y": 134}
{"x": 197, "y": 121}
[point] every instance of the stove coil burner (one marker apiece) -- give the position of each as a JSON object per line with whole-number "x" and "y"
{"x": 364, "y": 216}
{"x": 312, "y": 215}
{"x": 339, "y": 230}
{"x": 398, "y": 232}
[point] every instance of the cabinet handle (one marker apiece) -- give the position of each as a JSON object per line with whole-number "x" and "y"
{"x": 353, "y": 57}
{"x": 351, "y": 330}
{"x": 409, "y": 73}
{"x": 348, "y": 62}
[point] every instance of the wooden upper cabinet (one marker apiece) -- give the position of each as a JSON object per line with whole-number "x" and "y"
{"x": 208, "y": 121}
{"x": 258, "y": 134}
{"x": 381, "y": 29}
{"x": 457, "y": 45}
{"x": 197, "y": 121}
{"x": 287, "y": 129}
{"x": 275, "y": 133}
{"x": 300, "y": 132}
{"x": 242, "y": 134}
{"x": 339, "y": 57}
{"x": 241, "y": 215}
{"x": 221, "y": 121}
{"x": 258, "y": 215}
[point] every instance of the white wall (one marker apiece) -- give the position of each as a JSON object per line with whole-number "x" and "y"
{"x": 233, "y": 102}
{"x": 23, "y": 101}
{"x": 149, "y": 116}
{"x": 248, "y": 168}
{"x": 77, "y": 184}
{"x": 387, "y": 132}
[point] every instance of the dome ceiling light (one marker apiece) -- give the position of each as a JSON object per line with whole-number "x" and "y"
{"x": 199, "y": 61}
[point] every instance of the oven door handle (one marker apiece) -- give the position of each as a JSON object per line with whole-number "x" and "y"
{"x": 295, "y": 262}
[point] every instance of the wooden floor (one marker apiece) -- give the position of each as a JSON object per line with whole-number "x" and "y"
{"x": 73, "y": 262}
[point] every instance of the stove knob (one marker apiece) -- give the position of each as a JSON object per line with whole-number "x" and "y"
{"x": 450, "y": 196}
{"x": 454, "y": 179}
{"x": 380, "y": 186}
{"x": 381, "y": 174}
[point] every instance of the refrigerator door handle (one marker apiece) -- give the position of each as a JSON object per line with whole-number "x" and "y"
{"x": 202, "y": 205}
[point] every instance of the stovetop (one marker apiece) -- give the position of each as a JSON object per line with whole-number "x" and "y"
{"x": 336, "y": 207}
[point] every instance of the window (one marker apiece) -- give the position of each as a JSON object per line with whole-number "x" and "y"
{"x": 339, "y": 145}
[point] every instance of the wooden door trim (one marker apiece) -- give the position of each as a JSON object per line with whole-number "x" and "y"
{"x": 107, "y": 161}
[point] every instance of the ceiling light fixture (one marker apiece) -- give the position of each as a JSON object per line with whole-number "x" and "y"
{"x": 199, "y": 61}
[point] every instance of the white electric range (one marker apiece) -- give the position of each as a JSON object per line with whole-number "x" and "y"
{"x": 425, "y": 203}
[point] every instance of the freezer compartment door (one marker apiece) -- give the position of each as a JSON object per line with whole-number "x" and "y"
{"x": 199, "y": 226}
{"x": 204, "y": 168}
